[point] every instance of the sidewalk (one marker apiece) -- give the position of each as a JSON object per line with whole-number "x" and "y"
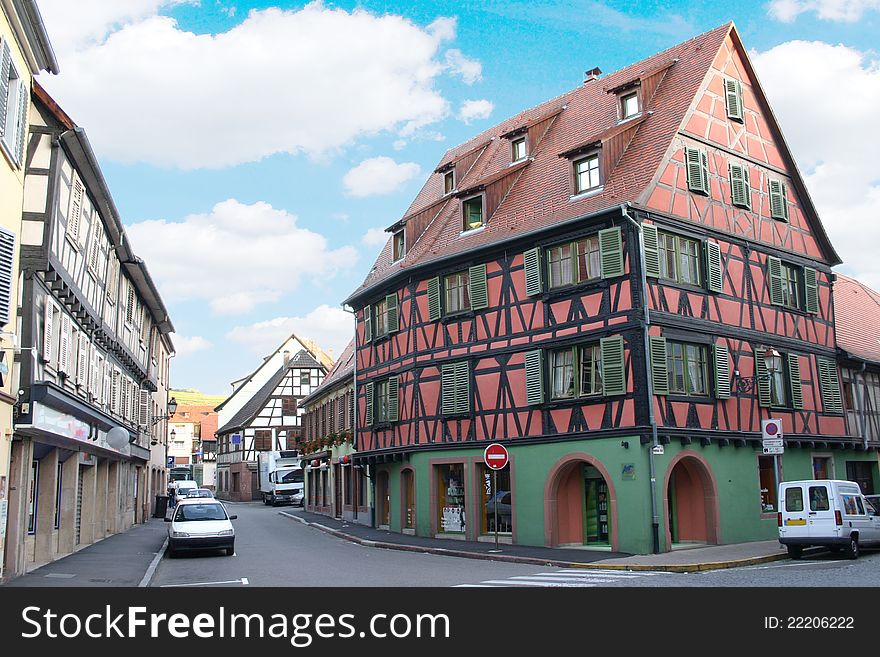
{"x": 684, "y": 560}
{"x": 125, "y": 559}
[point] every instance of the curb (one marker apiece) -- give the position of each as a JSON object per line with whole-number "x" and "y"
{"x": 154, "y": 564}
{"x": 597, "y": 565}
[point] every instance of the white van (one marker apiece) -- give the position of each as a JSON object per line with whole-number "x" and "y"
{"x": 826, "y": 512}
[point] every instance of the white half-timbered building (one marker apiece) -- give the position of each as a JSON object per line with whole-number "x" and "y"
{"x": 270, "y": 419}
{"x": 94, "y": 353}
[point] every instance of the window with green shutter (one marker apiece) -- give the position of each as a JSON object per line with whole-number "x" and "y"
{"x": 532, "y": 269}
{"x": 455, "y": 389}
{"x": 778, "y": 202}
{"x": 479, "y": 290}
{"x": 651, "y": 242}
{"x": 613, "y": 366}
{"x": 434, "y": 299}
{"x": 679, "y": 258}
{"x": 733, "y": 98}
{"x": 456, "y": 293}
{"x": 368, "y": 323}
{"x": 368, "y": 393}
{"x": 795, "y": 388}
{"x": 573, "y": 262}
{"x": 774, "y": 280}
{"x": 829, "y": 385}
{"x": 811, "y": 290}
{"x": 391, "y": 315}
{"x": 687, "y": 368}
{"x": 393, "y": 398}
{"x": 721, "y": 356}
{"x": 659, "y": 373}
{"x": 697, "y": 163}
{"x": 577, "y": 372}
{"x": 740, "y": 191}
{"x": 534, "y": 364}
{"x": 714, "y": 274}
{"x": 611, "y": 252}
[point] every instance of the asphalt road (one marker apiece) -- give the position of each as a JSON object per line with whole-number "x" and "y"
{"x": 272, "y": 550}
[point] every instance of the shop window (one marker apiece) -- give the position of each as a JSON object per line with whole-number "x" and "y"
{"x": 58, "y": 495}
{"x": 768, "y": 478}
{"x": 451, "y": 499}
{"x": 409, "y": 499}
{"x": 596, "y": 508}
{"x": 862, "y": 472}
{"x": 383, "y": 501}
{"x": 495, "y": 500}
{"x": 32, "y": 497}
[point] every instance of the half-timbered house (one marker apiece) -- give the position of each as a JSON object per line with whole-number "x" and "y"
{"x": 334, "y": 487}
{"x": 93, "y": 329}
{"x": 619, "y": 284}
{"x": 268, "y": 419}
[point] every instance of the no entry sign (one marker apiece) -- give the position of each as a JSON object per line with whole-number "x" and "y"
{"x": 496, "y": 456}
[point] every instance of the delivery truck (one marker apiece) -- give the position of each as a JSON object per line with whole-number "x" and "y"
{"x": 281, "y": 477}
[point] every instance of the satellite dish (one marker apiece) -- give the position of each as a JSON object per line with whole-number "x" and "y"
{"x": 117, "y": 438}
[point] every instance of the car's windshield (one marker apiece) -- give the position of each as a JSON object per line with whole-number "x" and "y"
{"x": 292, "y": 477}
{"x": 195, "y": 512}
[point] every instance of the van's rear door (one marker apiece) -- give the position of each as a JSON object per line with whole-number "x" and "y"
{"x": 821, "y": 520}
{"x": 794, "y": 511}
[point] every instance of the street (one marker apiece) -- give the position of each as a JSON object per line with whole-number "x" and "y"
{"x": 273, "y": 550}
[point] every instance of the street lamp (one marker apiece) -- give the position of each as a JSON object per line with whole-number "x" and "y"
{"x": 172, "y": 409}
{"x": 747, "y": 383}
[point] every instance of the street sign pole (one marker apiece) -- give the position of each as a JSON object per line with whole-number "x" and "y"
{"x": 495, "y": 506}
{"x": 495, "y": 457}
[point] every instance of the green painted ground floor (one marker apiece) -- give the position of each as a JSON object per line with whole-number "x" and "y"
{"x": 597, "y": 493}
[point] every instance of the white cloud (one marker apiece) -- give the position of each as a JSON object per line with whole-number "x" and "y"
{"x": 399, "y": 144}
{"x": 472, "y": 110}
{"x": 186, "y": 346}
{"x": 375, "y": 237}
{"x": 379, "y": 175}
{"x": 848, "y": 11}
{"x": 470, "y": 70}
{"x": 236, "y": 256}
{"x": 330, "y": 328}
{"x": 827, "y": 98}
{"x": 282, "y": 81}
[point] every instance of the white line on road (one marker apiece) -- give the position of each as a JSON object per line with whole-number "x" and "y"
{"x": 791, "y": 565}
{"x": 601, "y": 573}
{"x": 153, "y": 565}
{"x": 510, "y": 582}
{"x": 550, "y": 578}
{"x": 615, "y": 573}
{"x": 243, "y": 581}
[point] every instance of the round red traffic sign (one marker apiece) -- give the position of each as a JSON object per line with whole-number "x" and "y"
{"x": 496, "y": 456}
{"x": 772, "y": 429}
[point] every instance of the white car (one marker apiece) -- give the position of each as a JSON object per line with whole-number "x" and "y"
{"x": 199, "y": 523}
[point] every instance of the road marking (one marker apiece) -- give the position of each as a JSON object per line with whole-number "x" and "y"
{"x": 551, "y": 578}
{"x": 790, "y": 565}
{"x": 607, "y": 573}
{"x": 511, "y": 582}
{"x": 153, "y": 565}
{"x": 59, "y": 575}
{"x": 243, "y": 581}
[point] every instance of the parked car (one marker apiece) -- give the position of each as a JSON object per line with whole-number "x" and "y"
{"x": 826, "y": 512}
{"x": 200, "y": 524}
{"x": 198, "y": 492}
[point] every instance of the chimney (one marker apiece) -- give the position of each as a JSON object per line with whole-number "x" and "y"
{"x": 592, "y": 74}
{"x": 286, "y": 357}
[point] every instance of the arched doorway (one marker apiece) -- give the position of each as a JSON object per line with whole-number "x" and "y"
{"x": 383, "y": 499}
{"x": 691, "y": 502}
{"x": 580, "y": 505}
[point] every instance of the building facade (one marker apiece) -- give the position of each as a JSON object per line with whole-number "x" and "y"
{"x": 334, "y": 485}
{"x": 266, "y": 419}
{"x": 619, "y": 284}
{"x": 94, "y": 336}
{"x": 24, "y": 52}
{"x": 193, "y": 441}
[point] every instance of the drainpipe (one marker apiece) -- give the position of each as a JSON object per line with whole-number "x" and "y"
{"x": 646, "y": 323}
{"x": 354, "y": 420}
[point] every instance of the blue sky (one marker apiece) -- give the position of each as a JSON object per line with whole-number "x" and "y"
{"x": 256, "y": 149}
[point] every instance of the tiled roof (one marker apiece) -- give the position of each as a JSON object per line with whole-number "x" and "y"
{"x": 857, "y": 318}
{"x": 541, "y": 196}
{"x": 342, "y": 370}
{"x": 253, "y": 405}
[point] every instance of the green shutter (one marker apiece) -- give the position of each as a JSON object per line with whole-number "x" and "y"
{"x": 697, "y": 174}
{"x": 722, "y": 371}
{"x": 611, "y": 252}
{"x": 392, "y": 324}
{"x": 534, "y": 377}
{"x": 774, "y": 280}
{"x": 714, "y": 276}
{"x": 794, "y": 381}
{"x": 613, "y": 366}
{"x": 368, "y": 323}
{"x": 651, "y": 241}
{"x": 740, "y": 194}
{"x": 434, "y": 299}
{"x": 659, "y": 371}
{"x": 393, "y": 398}
{"x": 447, "y": 389}
{"x": 733, "y": 98}
{"x": 829, "y": 384}
{"x": 811, "y": 290}
{"x": 763, "y": 380}
{"x": 532, "y": 265}
{"x": 369, "y": 393}
{"x": 479, "y": 291}
{"x": 778, "y": 203}
{"x": 462, "y": 387}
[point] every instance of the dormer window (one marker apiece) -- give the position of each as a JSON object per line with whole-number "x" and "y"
{"x": 629, "y": 105}
{"x": 518, "y": 149}
{"x": 586, "y": 174}
{"x": 398, "y": 245}
{"x": 449, "y": 181}
{"x": 472, "y": 212}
